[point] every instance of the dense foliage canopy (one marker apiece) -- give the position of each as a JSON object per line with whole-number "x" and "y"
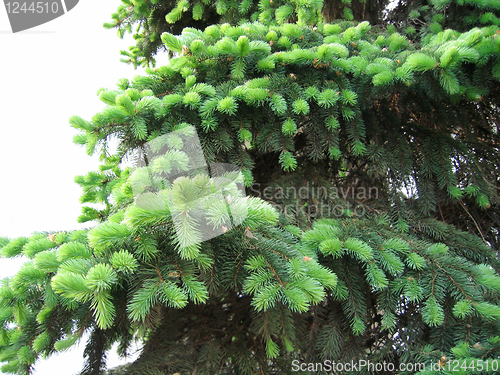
{"x": 370, "y": 157}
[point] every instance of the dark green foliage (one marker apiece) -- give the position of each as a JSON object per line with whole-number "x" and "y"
{"x": 422, "y": 19}
{"x": 464, "y": 358}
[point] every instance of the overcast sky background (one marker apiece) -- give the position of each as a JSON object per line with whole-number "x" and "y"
{"x": 48, "y": 74}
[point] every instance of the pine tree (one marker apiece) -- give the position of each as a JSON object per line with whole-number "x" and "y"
{"x": 358, "y": 219}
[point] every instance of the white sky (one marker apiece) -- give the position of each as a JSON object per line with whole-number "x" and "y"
{"x": 48, "y": 74}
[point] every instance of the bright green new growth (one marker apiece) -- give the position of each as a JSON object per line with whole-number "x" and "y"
{"x": 389, "y": 254}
